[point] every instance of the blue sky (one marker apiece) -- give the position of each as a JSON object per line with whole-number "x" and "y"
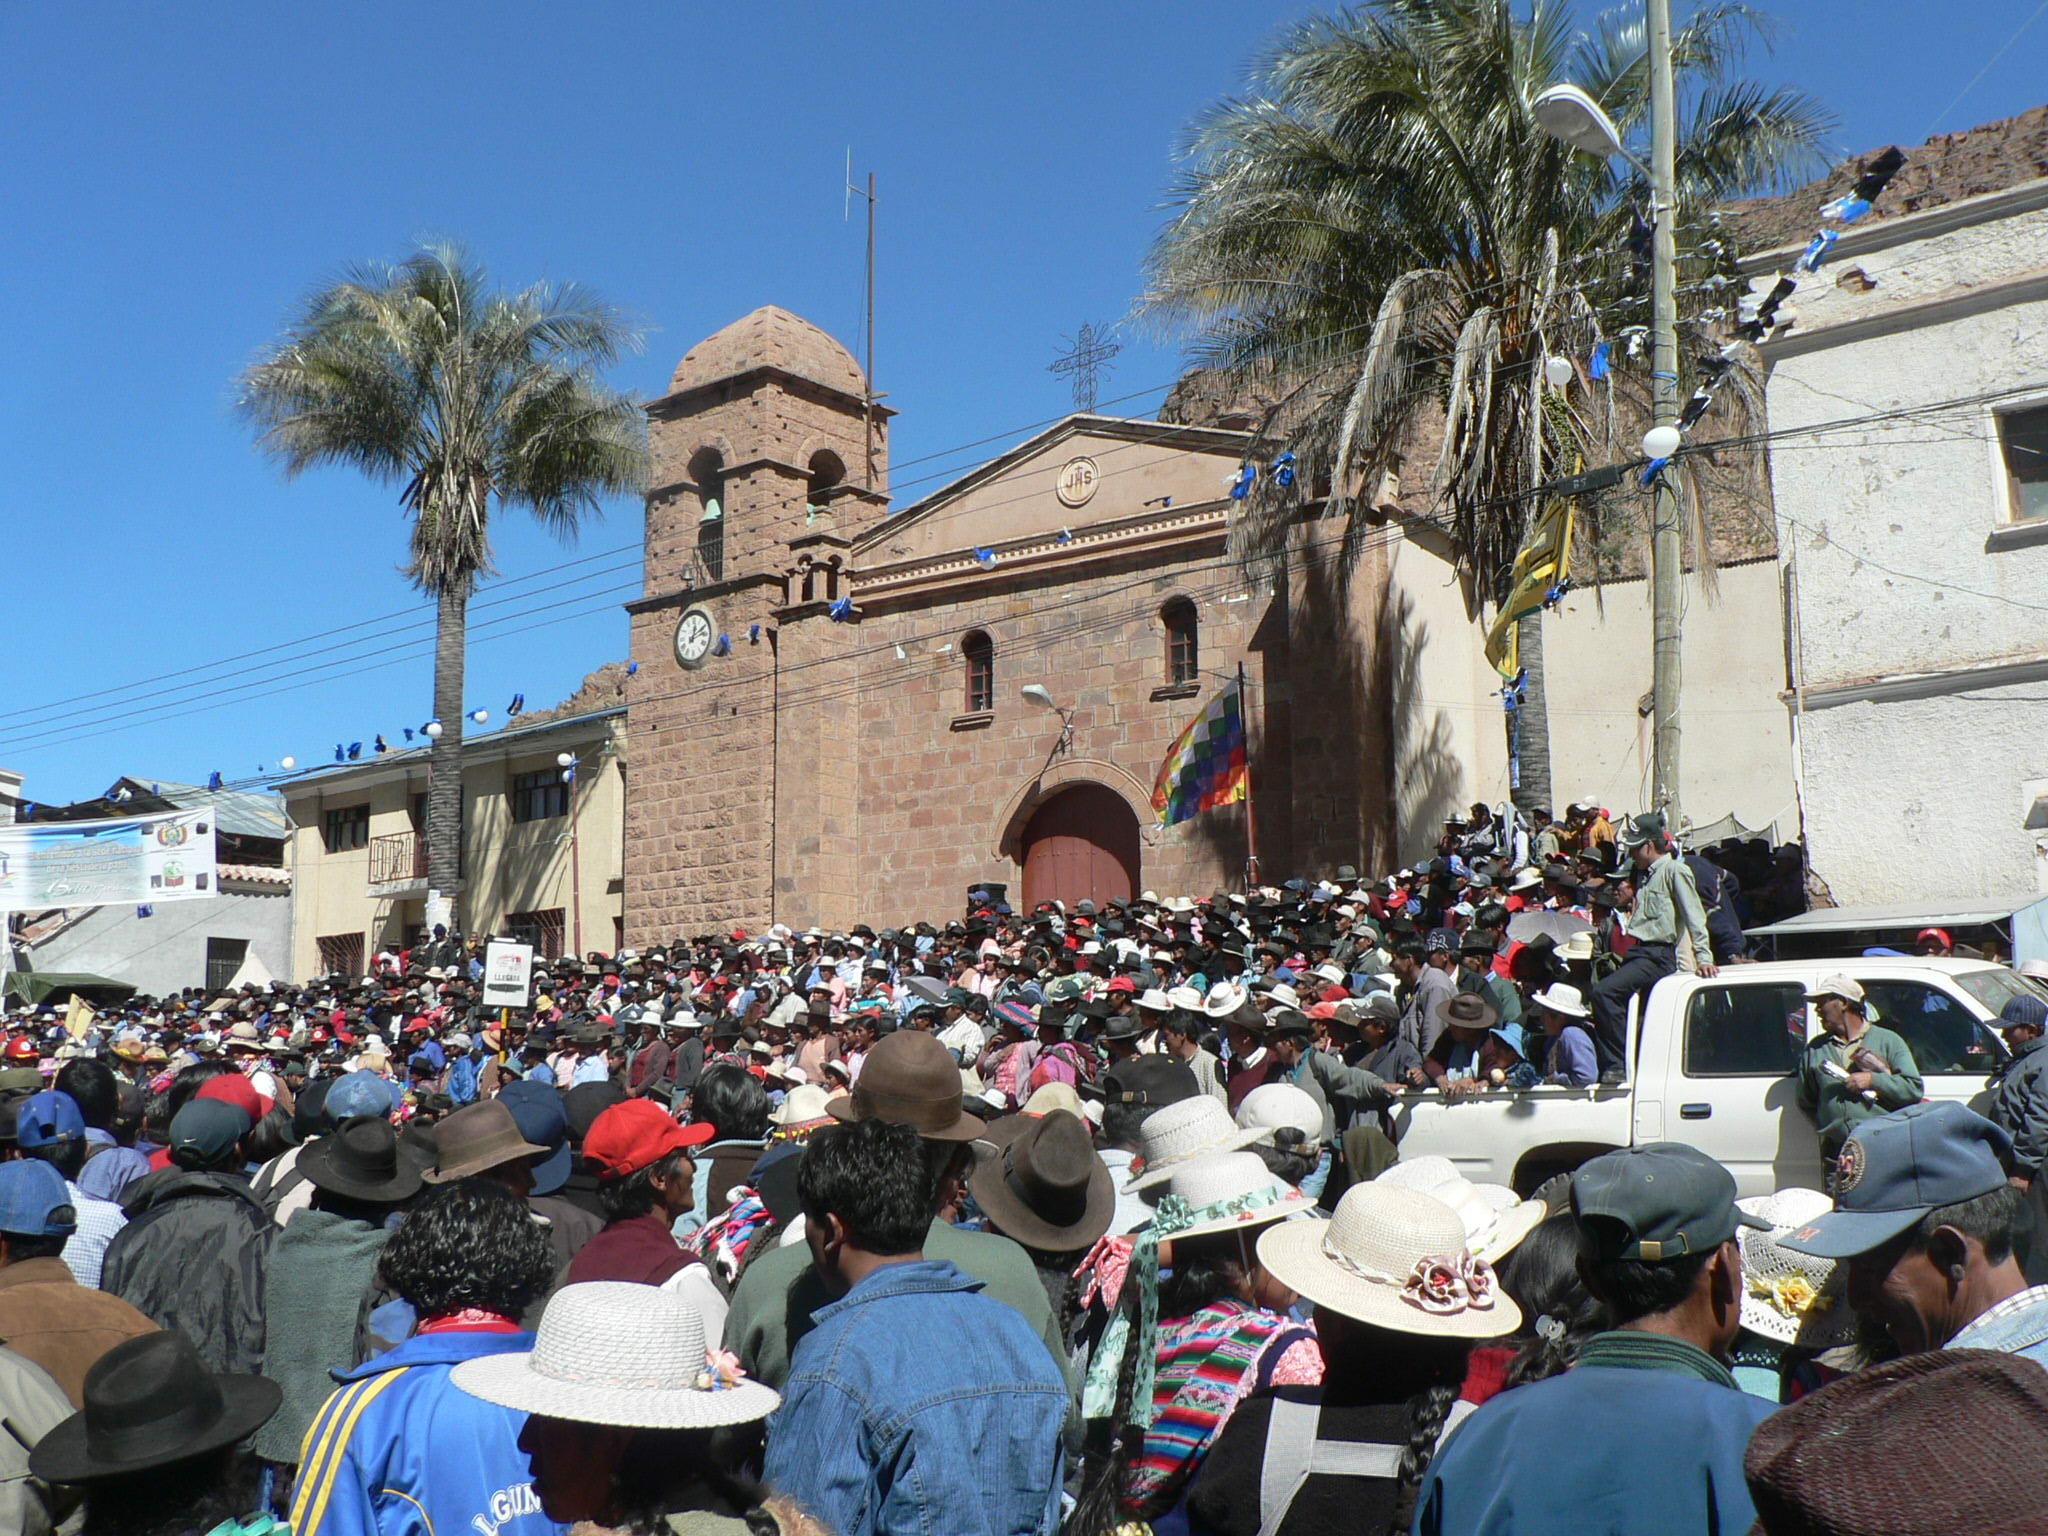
{"x": 177, "y": 177}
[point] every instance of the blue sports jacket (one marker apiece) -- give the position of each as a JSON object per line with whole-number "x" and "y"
{"x": 400, "y": 1450}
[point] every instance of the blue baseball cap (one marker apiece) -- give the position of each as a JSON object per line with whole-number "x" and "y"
{"x": 2024, "y": 1008}
{"x": 359, "y": 1093}
{"x": 1894, "y": 1169}
{"x": 48, "y": 1119}
{"x": 537, "y": 1111}
{"x": 1657, "y": 1202}
{"x": 33, "y": 1199}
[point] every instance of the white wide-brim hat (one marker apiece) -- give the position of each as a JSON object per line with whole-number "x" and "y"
{"x": 610, "y": 1352}
{"x": 1562, "y": 997}
{"x": 1793, "y": 1298}
{"x": 1241, "y": 1192}
{"x": 1364, "y": 1262}
{"x": 1272, "y": 1107}
{"x": 802, "y": 1104}
{"x": 1224, "y": 999}
{"x": 1494, "y": 1216}
{"x": 1176, "y": 1134}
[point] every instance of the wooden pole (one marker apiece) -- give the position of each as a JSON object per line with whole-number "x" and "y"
{"x": 1251, "y": 823}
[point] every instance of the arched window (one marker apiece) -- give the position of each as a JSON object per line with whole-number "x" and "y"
{"x": 707, "y": 472}
{"x": 1183, "y": 653}
{"x": 826, "y": 473}
{"x": 979, "y": 652}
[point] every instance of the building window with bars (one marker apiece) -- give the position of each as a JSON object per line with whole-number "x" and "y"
{"x": 1183, "y": 652}
{"x": 224, "y": 958}
{"x": 347, "y": 828}
{"x": 543, "y": 930}
{"x": 539, "y": 795}
{"x": 341, "y": 954}
{"x": 979, "y": 652}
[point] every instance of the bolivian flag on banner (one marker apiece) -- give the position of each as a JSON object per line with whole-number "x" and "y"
{"x": 1545, "y": 560}
{"x": 1205, "y": 767}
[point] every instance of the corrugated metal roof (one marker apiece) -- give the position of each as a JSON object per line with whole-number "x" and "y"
{"x": 243, "y": 812}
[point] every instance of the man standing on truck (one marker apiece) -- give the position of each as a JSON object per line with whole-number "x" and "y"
{"x": 1853, "y": 1070}
{"x": 1666, "y": 903}
{"x": 1428, "y": 970}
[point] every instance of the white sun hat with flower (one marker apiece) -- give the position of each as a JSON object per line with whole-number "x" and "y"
{"x": 1395, "y": 1258}
{"x": 1793, "y": 1298}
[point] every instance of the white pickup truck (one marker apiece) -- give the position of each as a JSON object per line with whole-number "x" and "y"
{"x": 1713, "y": 1067}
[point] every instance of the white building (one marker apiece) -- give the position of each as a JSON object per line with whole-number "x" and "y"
{"x": 1908, "y": 407}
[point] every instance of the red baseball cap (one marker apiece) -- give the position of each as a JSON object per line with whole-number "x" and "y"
{"x": 1122, "y": 984}
{"x": 233, "y": 1088}
{"x": 637, "y": 1134}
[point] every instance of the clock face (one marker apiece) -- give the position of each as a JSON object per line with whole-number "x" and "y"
{"x": 695, "y": 633}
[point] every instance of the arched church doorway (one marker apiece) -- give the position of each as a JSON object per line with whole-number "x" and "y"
{"x": 1082, "y": 844}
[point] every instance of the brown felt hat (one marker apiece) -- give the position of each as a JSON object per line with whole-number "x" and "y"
{"x": 1046, "y": 1187}
{"x": 910, "y": 1079}
{"x": 475, "y": 1138}
{"x": 1953, "y": 1440}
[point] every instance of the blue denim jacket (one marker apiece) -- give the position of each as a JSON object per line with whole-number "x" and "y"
{"x": 919, "y": 1406}
{"x": 2017, "y": 1326}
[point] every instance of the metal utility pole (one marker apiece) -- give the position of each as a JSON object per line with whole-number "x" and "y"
{"x": 1667, "y": 571}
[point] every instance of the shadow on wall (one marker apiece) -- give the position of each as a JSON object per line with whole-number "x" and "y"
{"x": 1426, "y": 768}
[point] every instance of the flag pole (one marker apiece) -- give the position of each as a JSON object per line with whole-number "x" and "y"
{"x": 1251, "y": 825}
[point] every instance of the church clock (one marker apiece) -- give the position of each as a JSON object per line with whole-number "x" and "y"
{"x": 696, "y": 631}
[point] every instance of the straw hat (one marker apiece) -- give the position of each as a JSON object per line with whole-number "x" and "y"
{"x": 1272, "y": 1107}
{"x": 611, "y": 1352}
{"x": 1179, "y": 1133}
{"x": 1239, "y": 1189}
{"x": 1495, "y": 1217}
{"x": 802, "y": 1105}
{"x": 1048, "y": 1097}
{"x": 1794, "y": 1298}
{"x": 1395, "y": 1258}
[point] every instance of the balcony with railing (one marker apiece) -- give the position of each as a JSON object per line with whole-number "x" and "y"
{"x": 398, "y": 863}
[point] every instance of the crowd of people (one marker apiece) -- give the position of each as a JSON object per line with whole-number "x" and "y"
{"x": 1087, "y": 1219}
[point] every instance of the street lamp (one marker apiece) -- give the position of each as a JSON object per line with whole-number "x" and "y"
{"x": 1568, "y": 114}
{"x": 1042, "y": 698}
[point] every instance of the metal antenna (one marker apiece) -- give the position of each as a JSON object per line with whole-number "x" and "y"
{"x": 868, "y": 328}
{"x": 1086, "y": 360}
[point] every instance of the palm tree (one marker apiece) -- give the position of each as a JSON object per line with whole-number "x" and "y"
{"x": 1381, "y": 224}
{"x": 421, "y": 376}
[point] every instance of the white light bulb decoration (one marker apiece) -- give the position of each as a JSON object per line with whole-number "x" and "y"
{"x": 1661, "y": 442}
{"x": 480, "y": 716}
{"x": 432, "y": 730}
{"x": 564, "y": 759}
{"x": 1558, "y": 370}
{"x": 288, "y": 763}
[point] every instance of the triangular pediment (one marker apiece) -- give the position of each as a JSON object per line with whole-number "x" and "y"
{"x": 1080, "y": 472}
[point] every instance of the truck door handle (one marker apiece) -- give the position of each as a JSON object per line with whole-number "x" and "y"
{"x": 1695, "y": 1111}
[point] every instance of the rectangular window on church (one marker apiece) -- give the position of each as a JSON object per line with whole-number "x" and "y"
{"x": 980, "y": 654}
{"x": 1183, "y": 655}
{"x": 539, "y": 795}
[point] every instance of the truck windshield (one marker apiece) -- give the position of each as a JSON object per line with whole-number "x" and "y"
{"x": 1995, "y": 988}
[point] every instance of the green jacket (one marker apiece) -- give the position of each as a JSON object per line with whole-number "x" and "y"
{"x": 1836, "y": 1108}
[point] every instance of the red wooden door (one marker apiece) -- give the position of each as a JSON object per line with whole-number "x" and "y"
{"x": 1081, "y": 844}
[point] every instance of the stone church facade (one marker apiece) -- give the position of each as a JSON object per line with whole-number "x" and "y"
{"x": 827, "y": 723}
